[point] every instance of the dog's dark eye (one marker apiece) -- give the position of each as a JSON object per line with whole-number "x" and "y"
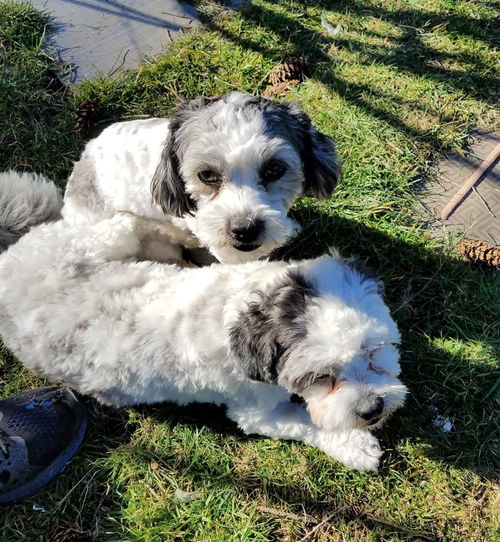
{"x": 209, "y": 177}
{"x": 272, "y": 171}
{"x": 324, "y": 378}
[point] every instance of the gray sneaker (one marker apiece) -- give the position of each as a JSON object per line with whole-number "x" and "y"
{"x": 40, "y": 431}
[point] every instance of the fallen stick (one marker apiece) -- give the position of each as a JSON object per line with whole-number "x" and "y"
{"x": 471, "y": 181}
{"x": 320, "y": 524}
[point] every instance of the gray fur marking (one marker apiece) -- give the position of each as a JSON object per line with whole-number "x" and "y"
{"x": 26, "y": 200}
{"x": 288, "y": 121}
{"x": 167, "y": 186}
{"x": 82, "y": 187}
{"x": 266, "y": 333}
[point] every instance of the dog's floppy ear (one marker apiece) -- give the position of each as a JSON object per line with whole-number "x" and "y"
{"x": 320, "y": 161}
{"x": 254, "y": 340}
{"x": 167, "y": 186}
{"x": 265, "y": 333}
{"x": 321, "y": 164}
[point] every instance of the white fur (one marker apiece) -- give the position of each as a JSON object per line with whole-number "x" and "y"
{"x": 77, "y": 307}
{"x": 238, "y": 147}
{"x": 25, "y": 200}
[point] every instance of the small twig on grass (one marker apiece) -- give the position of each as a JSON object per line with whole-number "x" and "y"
{"x": 321, "y": 523}
{"x": 395, "y": 147}
{"x": 485, "y": 166}
{"x": 58, "y": 505}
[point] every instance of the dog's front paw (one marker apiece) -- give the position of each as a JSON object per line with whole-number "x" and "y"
{"x": 365, "y": 451}
{"x": 356, "y": 449}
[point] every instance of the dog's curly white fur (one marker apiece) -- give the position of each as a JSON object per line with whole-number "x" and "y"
{"x": 25, "y": 201}
{"x": 221, "y": 172}
{"x": 77, "y": 307}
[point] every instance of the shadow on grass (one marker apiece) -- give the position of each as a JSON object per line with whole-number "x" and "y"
{"x": 407, "y": 53}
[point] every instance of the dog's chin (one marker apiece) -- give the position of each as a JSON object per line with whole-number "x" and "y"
{"x": 373, "y": 424}
{"x": 247, "y": 247}
{"x": 241, "y": 253}
{"x": 348, "y": 422}
{"x": 209, "y": 229}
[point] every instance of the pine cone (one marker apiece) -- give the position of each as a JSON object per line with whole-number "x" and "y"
{"x": 294, "y": 69}
{"x": 87, "y": 113}
{"x": 280, "y": 89}
{"x": 64, "y": 533}
{"x": 480, "y": 252}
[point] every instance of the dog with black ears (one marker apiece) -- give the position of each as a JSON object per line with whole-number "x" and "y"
{"x": 221, "y": 173}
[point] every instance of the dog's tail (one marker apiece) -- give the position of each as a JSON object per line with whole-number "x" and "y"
{"x": 25, "y": 201}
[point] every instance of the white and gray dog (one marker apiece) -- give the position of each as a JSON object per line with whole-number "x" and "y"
{"x": 77, "y": 307}
{"x": 221, "y": 172}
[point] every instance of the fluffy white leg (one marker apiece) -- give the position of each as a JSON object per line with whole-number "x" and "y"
{"x": 126, "y": 235}
{"x": 156, "y": 243}
{"x": 116, "y": 238}
{"x": 286, "y": 420}
{"x": 357, "y": 449}
{"x": 158, "y": 248}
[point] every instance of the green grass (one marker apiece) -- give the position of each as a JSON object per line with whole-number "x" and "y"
{"x": 402, "y": 82}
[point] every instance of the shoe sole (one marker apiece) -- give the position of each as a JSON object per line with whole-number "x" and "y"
{"x": 43, "y": 478}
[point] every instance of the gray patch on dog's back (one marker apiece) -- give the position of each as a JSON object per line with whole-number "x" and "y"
{"x": 265, "y": 334}
{"x": 82, "y": 188}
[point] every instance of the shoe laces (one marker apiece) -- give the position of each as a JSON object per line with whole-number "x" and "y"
{"x": 4, "y": 443}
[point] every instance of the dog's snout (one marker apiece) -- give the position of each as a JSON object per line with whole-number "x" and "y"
{"x": 246, "y": 231}
{"x": 373, "y": 411}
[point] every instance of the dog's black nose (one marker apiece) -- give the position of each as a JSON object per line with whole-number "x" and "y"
{"x": 246, "y": 231}
{"x": 375, "y": 410}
